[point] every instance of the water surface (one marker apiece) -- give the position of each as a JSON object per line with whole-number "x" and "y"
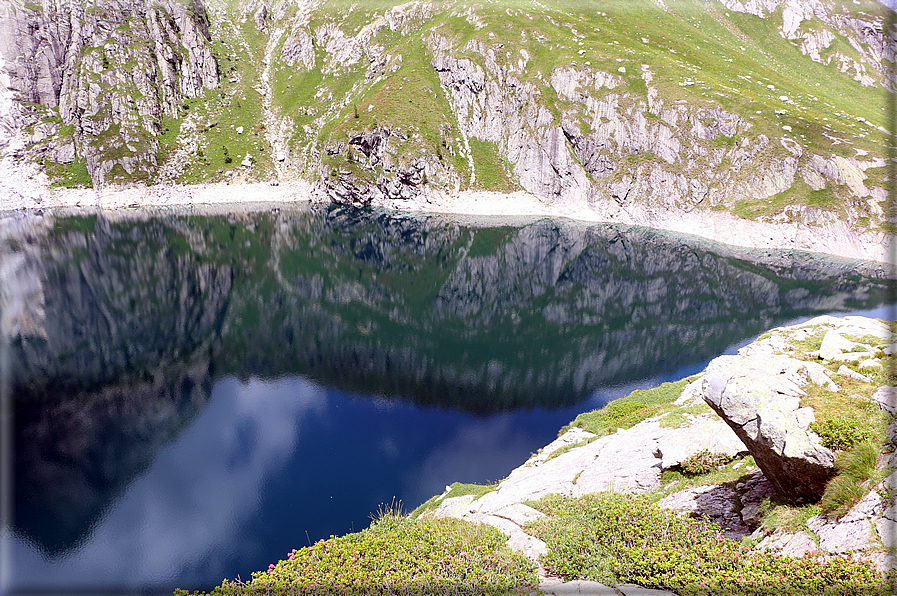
{"x": 196, "y": 395}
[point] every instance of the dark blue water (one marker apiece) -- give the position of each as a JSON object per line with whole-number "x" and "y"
{"x": 196, "y": 412}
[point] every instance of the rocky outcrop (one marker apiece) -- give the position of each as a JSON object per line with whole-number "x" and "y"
{"x": 759, "y": 398}
{"x": 758, "y": 393}
{"x": 378, "y": 155}
{"x": 102, "y": 78}
{"x": 870, "y": 524}
{"x": 628, "y": 461}
{"x": 818, "y": 24}
{"x": 631, "y": 460}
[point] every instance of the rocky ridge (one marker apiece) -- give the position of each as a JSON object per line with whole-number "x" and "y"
{"x": 414, "y": 103}
{"x": 633, "y": 460}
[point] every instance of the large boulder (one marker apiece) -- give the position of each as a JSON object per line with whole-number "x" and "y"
{"x": 757, "y": 393}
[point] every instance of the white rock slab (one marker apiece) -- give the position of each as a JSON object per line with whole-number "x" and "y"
{"x": 518, "y": 540}
{"x": 454, "y": 506}
{"x": 841, "y": 537}
{"x": 833, "y": 345}
{"x": 852, "y": 374}
{"x": 691, "y": 394}
{"x": 519, "y": 513}
{"x": 818, "y": 375}
{"x": 705, "y": 432}
{"x": 576, "y": 587}
{"x": 572, "y": 436}
{"x": 871, "y": 364}
{"x": 628, "y": 461}
{"x": 794, "y": 545}
{"x": 886, "y": 398}
{"x": 634, "y": 590}
{"x": 887, "y": 531}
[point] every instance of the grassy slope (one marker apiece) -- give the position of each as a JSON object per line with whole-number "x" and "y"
{"x": 698, "y": 51}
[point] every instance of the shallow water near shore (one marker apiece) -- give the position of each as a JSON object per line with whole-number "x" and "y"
{"x": 196, "y": 395}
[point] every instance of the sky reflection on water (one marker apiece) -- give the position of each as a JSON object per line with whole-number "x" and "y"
{"x": 268, "y": 461}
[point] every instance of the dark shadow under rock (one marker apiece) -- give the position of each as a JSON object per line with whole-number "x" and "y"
{"x": 719, "y": 504}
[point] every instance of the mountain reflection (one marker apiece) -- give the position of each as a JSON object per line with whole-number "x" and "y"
{"x": 117, "y": 326}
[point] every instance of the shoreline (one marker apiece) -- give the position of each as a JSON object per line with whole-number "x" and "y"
{"x": 23, "y": 191}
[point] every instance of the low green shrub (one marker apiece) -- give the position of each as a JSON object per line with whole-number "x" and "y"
{"x": 397, "y": 555}
{"x": 703, "y": 462}
{"x": 843, "y": 432}
{"x": 613, "y": 538}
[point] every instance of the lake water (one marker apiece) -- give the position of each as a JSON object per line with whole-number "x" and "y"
{"x": 196, "y": 395}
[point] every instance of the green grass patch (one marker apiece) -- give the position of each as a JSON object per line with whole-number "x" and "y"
{"x": 730, "y": 474}
{"x": 829, "y": 199}
{"x": 857, "y": 474}
{"x": 628, "y": 411}
{"x": 813, "y": 342}
{"x": 848, "y": 416}
{"x": 562, "y": 450}
{"x": 493, "y": 172}
{"x": 612, "y": 538}
{"x": 843, "y": 433}
{"x": 70, "y": 175}
{"x": 682, "y": 416}
{"x": 780, "y": 514}
{"x": 398, "y": 555}
{"x": 458, "y": 489}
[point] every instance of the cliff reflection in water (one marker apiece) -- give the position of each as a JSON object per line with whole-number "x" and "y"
{"x": 117, "y": 328}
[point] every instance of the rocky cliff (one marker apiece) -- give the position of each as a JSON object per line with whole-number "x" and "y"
{"x": 771, "y": 109}
{"x": 93, "y": 81}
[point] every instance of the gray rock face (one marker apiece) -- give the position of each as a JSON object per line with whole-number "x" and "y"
{"x": 379, "y": 174}
{"x": 853, "y": 534}
{"x": 629, "y": 460}
{"x": 707, "y": 433}
{"x": 886, "y": 398}
{"x": 113, "y": 73}
{"x": 299, "y": 50}
{"x": 865, "y": 33}
{"x": 755, "y": 489}
{"x": 758, "y": 396}
{"x": 718, "y": 503}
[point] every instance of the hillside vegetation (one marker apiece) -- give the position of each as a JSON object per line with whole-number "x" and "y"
{"x": 772, "y": 110}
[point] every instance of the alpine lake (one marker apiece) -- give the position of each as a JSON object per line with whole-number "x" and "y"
{"x": 195, "y": 393}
